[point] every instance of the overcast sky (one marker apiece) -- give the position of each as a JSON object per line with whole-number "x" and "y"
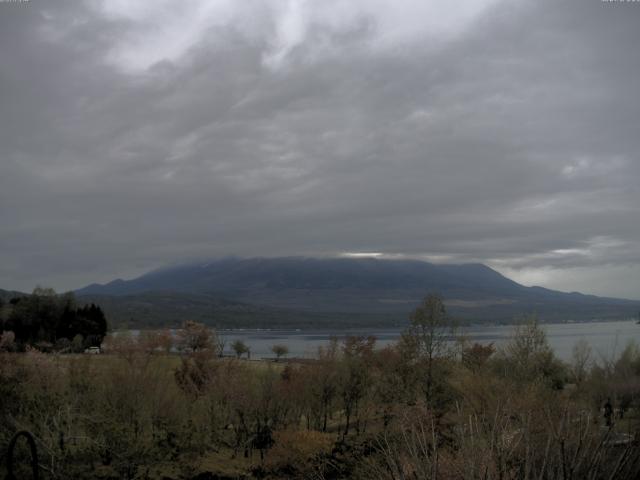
{"x": 134, "y": 134}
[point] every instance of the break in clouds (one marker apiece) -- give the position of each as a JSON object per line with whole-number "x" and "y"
{"x": 136, "y": 134}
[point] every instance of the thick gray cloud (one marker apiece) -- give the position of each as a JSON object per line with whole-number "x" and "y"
{"x": 135, "y": 134}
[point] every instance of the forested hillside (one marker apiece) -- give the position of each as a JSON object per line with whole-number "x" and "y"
{"x": 300, "y": 292}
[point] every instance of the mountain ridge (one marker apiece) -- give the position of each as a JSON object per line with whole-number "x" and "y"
{"x": 307, "y": 287}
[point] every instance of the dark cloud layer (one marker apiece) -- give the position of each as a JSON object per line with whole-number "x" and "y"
{"x": 132, "y": 137}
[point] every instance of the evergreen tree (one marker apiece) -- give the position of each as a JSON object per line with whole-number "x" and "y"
{"x": 47, "y": 317}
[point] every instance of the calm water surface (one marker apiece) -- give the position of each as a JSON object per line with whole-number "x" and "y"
{"x": 607, "y": 339}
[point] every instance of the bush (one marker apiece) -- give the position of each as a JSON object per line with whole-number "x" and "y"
{"x": 297, "y": 453}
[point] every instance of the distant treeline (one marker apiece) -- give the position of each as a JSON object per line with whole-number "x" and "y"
{"x": 51, "y": 321}
{"x": 158, "y": 310}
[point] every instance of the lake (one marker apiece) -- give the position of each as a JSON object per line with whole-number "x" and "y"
{"x": 607, "y": 339}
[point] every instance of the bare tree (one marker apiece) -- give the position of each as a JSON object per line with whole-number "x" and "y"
{"x": 580, "y": 359}
{"x": 240, "y": 348}
{"x": 7, "y": 341}
{"x": 280, "y": 351}
{"x": 195, "y": 336}
{"x": 429, "y": 334}
{"x": 355, "y": 376}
